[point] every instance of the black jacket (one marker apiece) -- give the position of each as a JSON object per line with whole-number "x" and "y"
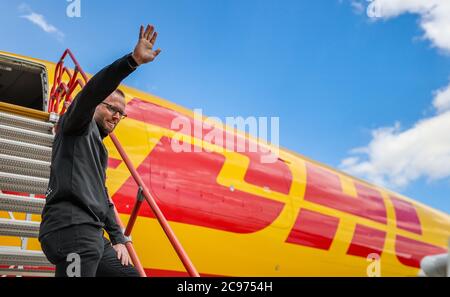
{"x": 76, "y": 192}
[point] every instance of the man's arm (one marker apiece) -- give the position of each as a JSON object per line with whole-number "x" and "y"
{"x": 116, "y": 236}
{"x": 115, "y": 233}
{"x": 100, "y": 86}
{"x": 81, "y": 111}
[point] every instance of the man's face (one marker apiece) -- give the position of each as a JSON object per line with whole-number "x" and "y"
{"x": 105, "y": 114}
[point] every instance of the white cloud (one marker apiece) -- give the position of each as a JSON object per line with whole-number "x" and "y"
{"x": 396, "y": 157}
{"x": 434, "y": 16}
{"x": 40, "y": 21}
{"x": 442, "y": 99}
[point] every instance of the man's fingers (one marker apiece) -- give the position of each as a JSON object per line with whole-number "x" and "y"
{"x": 123, "y": 256}
{"x": 125, "y": 259}
{"x": 147, "y": 29}
{"x": 150, "y": 35}
{"x": 153, "y": 39}
{"x": 157, "y": 53}
{"x": 141, "y": 32}
{"x": 119, "y": 254}
{"x": 144, "y": 49}
{"x": 148, "y": 32}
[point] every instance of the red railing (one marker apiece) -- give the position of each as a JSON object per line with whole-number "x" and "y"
{"x": 61, "y": 92}
{"x": 154, "y": 206}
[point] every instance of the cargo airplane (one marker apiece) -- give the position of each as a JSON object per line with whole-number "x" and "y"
{"x": 234, "y": 214}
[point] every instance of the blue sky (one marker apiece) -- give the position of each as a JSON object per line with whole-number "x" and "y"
{"x": 334, "y": 75}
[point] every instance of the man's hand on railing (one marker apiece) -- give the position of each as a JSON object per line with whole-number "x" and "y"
{"x": 122, "y": 254}
{"x": 143, "y": 52}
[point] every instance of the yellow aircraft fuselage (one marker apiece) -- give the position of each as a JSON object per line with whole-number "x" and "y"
{"x": 238, "y": 216}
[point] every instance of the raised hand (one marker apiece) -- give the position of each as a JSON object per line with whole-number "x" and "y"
{"x": 143, "y": 52}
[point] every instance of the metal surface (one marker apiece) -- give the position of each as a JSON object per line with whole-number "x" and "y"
{"x": 24, "y": 135}
{"x": 21, "y": 204}
{"x": 23, "y": 183}
{"x": 19, "y": 228}
{"x": 25, "y": 123}
{"x": 14, "y": 256}
{"x": 435, "y": 266}
{"x": 27, "y": 272}
{"x": 24, "y": 166}
{"x": 25, "y": 150}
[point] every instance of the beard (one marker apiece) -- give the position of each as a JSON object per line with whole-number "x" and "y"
{"x": 104, "y": 131}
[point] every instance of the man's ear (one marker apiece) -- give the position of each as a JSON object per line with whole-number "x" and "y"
{"x": 96, "y": 111}
{"x": 97, "y": 108}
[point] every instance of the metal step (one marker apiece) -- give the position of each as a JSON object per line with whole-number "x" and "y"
{"x": 23, "y": 183}
{"x": 21, "y": 204}
{"x": 24, "y": 135}
{"x": 9, "y": 227}
{"x": 24, "y": 122}
{"x": 14, "y": 256}
{"x": 27, "y": 272}
{"x": 23, "y": 166}
{"x": 25, "y": 150}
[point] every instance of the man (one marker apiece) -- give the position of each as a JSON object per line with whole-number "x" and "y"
{"x": 77, "y": 204}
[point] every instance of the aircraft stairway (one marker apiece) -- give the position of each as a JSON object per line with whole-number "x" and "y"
{"x": 25, "y": 154}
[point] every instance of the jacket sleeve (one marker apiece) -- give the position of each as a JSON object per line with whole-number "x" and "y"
{"x": 100, "y": 86}
{"x": 115, "y": 233}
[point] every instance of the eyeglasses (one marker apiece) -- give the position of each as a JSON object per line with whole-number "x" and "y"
{"x": 113, "y": 110}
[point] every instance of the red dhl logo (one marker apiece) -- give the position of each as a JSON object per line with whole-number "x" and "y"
{"x": 186, "y": 187}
